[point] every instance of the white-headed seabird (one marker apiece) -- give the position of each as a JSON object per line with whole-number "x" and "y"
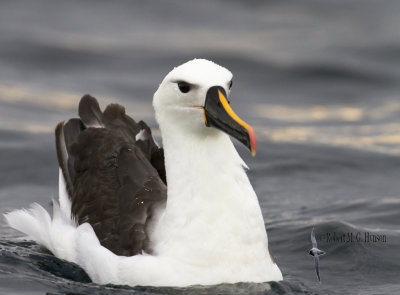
{"x": 127, "y": 218}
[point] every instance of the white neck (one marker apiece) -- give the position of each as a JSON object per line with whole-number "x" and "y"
{"x": 212, "y": 215}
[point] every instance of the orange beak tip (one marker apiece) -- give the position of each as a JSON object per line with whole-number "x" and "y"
{"x": 253, "y": 141}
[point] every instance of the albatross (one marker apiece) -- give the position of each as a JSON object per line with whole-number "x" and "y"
{"x": 132, "y": 213}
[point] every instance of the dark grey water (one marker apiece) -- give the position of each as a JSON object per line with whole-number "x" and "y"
{"x": 318, "y": 79}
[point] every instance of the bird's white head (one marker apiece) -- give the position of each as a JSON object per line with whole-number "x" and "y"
{"x": 194, "y": 96}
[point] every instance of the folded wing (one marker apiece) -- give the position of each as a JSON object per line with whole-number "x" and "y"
{"x": 114, "y": 173}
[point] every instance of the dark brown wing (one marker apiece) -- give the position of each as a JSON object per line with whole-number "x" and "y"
{"x": 115, "y": 183}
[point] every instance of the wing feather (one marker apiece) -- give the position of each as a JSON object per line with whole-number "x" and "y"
{"x": 115, "y": 183}
{"x": 62, "y": 156}
{"x": 316, "y": 262}
{"x": 313, "y": 240}
{"x": 89, "y": 112}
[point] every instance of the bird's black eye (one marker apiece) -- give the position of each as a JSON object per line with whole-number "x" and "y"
{"x": 184, "y": 87}
{"x": 230, "y": 84}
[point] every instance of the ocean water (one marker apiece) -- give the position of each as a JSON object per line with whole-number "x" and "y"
{"x": 319, "y": 80}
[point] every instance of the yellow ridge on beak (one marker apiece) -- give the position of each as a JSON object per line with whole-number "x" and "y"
{"x": 235, "y": 117}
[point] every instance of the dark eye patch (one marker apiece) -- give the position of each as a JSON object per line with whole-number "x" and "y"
{"x": 230, "y": 84}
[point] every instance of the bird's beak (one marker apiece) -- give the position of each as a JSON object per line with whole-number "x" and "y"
{"x": 219, "y": 114}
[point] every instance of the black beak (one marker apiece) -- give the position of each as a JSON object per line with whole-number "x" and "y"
{"x": 219, "y": 114}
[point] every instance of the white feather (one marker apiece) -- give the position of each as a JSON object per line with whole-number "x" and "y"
{"x": 65, "y": 203}
{"x": 142, "y": 135}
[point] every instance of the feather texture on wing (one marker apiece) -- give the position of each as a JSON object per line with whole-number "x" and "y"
{"x": 115, "y": 182}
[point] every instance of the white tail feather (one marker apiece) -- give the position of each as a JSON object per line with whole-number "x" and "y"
{"x": 57, "y": 234}
{"x": 34, "y": 222}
